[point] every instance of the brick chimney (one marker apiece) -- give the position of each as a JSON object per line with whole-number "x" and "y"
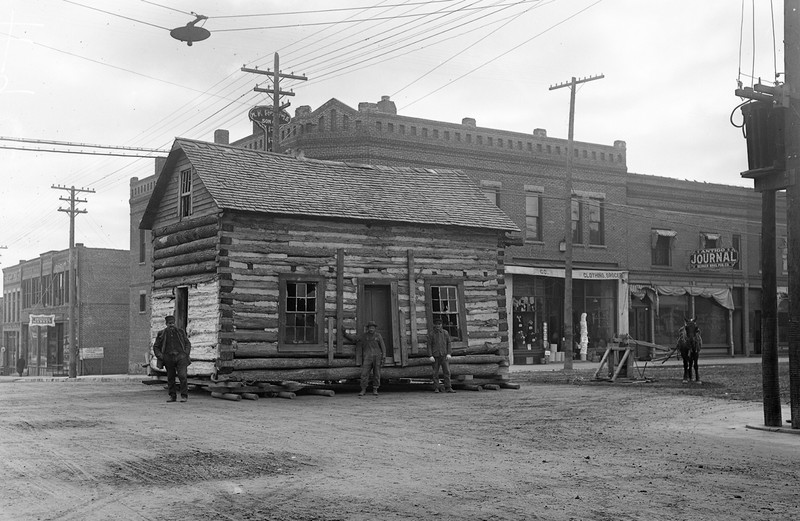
{"x": 386, "y": 106}
{"x": 468, "y": 122}
{"x": 222, "y": 137}
{"x": 540, "y": 132}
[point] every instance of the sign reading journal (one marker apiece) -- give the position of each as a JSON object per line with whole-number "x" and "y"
{"x": 714, "y": 258}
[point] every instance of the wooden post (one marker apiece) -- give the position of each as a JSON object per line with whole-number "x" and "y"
{"x": 791, "y": 20}
{"x": 403, "y": 345}
{"x": 339, "y": 299}
{"x": 331, "y": 338}
{"x": 412, "y": 302}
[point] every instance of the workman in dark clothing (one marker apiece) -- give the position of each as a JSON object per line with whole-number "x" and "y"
{"x": 373, "y": 352}
{"x": 440, "y": 351}
{"x": 21, "y": 363}
{"x": 172, "y": 348}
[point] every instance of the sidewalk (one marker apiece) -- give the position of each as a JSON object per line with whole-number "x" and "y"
{"x": 577, "y": 365}
{"x": 79, "y": 379}
{"x": 581, "y": 365}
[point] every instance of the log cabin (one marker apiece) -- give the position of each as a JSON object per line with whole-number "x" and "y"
{"x": 264, "y": 257}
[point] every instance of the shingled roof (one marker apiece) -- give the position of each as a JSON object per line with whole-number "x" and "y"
{"x": 256, "y": 181}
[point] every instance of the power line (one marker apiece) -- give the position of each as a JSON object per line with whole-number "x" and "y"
{"x": 116, "y": 14}
{"x": 317, "y": 11}
{"x": 312, "y": 24}
{"x": 81, "y": 145}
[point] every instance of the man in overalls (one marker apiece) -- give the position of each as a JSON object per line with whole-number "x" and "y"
{"x": 373, "y": 351}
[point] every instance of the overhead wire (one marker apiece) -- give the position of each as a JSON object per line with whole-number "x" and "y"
{"x": 484, "y": 64}
{"x": 224, "y": 87}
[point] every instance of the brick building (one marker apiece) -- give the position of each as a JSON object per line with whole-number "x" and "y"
{"x": 633, "y": 235}
{"x": 39, "y": 288}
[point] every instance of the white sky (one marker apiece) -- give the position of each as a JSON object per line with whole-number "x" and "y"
{"x": 69, "y": 72}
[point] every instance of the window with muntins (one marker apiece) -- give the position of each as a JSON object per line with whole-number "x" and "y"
{"x": 533, "y": 216}
{"x": 577, "y": 222}
{"x": 185, "y": 207}
{"x": 596, "y": 222}
{"x": 445, "y": 301}
{"x": 301, "y": 306}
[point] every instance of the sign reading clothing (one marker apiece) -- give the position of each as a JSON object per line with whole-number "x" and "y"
{"x": 42, "y": 320}
{"x": 559, "y": 273}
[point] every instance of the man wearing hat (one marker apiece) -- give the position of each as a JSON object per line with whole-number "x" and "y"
{"x": 172, "y": 348}
{"x": 439, "y": 351}
{"x": 373, "y": 351}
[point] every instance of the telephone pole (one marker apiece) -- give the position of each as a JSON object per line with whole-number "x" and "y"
{"x": 73, "y": 286}
{"x": 568, "y": 336}
{"x": 791, "y": 21}
{"x": 276, "y": 92}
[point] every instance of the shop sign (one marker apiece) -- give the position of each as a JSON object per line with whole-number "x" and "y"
{"x": 714, "y": 258}
{"x": 42, "y": 320}
{"x": 91, "y": 352}
{"x": 261, "y": 115}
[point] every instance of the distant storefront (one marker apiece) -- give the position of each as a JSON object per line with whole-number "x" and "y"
{"x": 537, "y": 304}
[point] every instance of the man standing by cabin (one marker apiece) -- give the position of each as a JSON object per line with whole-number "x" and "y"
{"x": 439, "y": 351}
{"x": 172, "y": 348}
{"x": 373, "y": 351}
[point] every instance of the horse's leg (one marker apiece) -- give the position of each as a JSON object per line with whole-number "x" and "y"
{"x": 687, "y": 367}
{"x": 695, "y": 358}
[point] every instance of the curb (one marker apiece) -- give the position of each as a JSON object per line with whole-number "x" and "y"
{"x": 784, "y": 430}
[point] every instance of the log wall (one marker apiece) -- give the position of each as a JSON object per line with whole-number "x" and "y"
{"x": 232, "y": 262}
{"x": 255, "y": 251}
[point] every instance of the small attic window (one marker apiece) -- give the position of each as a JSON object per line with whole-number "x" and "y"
{"x": 185, "y": 203}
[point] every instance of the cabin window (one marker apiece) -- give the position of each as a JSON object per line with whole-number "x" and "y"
{"x": 185, "y": 206}
{"x": 533, "y": 213}
{"x": 445, "y": 300}
{"x": 302, "y": 302}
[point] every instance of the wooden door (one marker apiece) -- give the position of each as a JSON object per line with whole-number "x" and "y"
{"x": 377, "y": 303}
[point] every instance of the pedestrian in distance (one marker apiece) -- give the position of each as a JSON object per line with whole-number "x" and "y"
{"x": 172, "y": 349}
{"x": 373, "y": 352}
{"x": 21, "y": 363}
{"x": 440, "y": 352}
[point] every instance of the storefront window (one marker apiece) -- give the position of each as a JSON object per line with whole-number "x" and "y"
{"x": 672, "y": 310}
{"x": 713, "y": 321}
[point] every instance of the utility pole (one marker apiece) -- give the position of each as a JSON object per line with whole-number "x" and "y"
{"x": 73, "y": 286}
{"x": 568, "y": 336}
{"x": 772, "y": 125}
{"x": 791, "y": 21}
{"x": 276, "y": 92}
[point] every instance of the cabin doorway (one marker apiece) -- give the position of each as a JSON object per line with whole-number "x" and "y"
{"x": 377, "y": 302}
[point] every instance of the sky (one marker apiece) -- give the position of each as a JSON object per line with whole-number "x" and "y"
{"x": 108, "y": 73}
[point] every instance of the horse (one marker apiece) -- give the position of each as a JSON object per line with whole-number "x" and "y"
{"x": 689, "y": 344}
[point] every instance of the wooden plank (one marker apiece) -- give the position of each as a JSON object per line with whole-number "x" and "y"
{"x": 344, "y": 373}
{"x": 227, "y": 396}
{"x": 209, "y": 243}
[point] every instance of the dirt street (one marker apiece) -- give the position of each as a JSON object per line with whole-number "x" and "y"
{"x": 116, "y": 450}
